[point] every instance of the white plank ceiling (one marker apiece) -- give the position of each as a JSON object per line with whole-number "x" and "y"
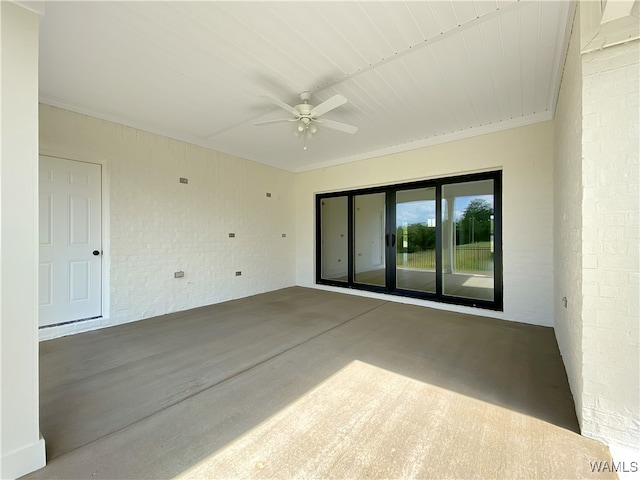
{"x": 415, "y": 73}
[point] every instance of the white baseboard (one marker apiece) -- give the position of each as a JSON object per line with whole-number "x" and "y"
{"x": 24, "y": 460}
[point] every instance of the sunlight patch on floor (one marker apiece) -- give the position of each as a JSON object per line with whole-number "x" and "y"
{"x": 368, "y": 422}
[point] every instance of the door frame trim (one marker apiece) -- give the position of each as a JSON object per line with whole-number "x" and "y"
{"x": 81, "y": 325}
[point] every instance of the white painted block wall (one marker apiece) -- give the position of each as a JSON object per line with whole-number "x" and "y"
{"x": 525, "y": 155}
{"x": 597, "y": 240}
{"x": 155, "y": 226}
{"x": 568, "y": 218}
{"x": 611, "y": 244}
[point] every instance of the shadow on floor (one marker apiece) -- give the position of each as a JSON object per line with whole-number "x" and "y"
{"x": 340, "y": 374}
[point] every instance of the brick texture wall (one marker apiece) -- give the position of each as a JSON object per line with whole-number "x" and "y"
{"x": 611, "y": 239}
{"x": 155, "y": 225}
{"x": 568, "y": 218}
{"x": 597, "y": 241}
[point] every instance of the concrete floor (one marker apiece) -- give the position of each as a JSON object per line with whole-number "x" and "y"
{"x": 313, "y": 384}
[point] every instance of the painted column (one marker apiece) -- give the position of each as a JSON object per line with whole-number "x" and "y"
{"x": 22, "y": 449}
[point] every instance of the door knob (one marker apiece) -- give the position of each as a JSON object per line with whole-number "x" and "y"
{"x": 96, "y": 252}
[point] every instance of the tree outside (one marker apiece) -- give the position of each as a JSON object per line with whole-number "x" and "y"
{"x": 416, "y": 242}
{"x": 474, "y": 226}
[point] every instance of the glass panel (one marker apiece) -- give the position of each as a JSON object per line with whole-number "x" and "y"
{"x": 416, "y": 239}
{"x": 467, "y": 240}
{"x": 334, "y": 242}
{"x": 369, "y": 239}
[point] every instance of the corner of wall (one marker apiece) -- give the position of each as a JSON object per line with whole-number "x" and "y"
{"x": 567, "y": 228}
{"x": 22, "y": 447}
{"x": 610, "y": 256}
{"x": 608, "y": 371}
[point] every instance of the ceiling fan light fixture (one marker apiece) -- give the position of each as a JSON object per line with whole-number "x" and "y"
{"x": 306, "y": 116}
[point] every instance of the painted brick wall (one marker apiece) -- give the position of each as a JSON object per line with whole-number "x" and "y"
{"x": 525, "y": 155}
{"x": 611, "y": 239}
{"x": 156, "y": 226}
{"x": 568, "y": 218}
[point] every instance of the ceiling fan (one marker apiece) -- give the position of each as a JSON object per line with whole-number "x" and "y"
{"x": 307, "y": 116}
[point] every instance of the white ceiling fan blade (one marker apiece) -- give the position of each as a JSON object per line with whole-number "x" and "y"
{"x": 278, "y": 120}
{"x": 327, "y": 105}
{"x": 343, "y": 127}
{"x": 283, "y": 105}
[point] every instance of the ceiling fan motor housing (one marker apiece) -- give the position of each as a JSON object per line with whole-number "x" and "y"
{"x": 306, "y": 115}
{"x": 304, "y": 109}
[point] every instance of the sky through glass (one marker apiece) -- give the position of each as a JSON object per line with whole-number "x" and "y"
{"x": 425, "y": 211}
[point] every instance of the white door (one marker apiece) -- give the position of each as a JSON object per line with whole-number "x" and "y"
{"x": 70, "y": 284}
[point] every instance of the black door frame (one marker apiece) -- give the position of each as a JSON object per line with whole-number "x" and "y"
{"x": 390, "y": 240}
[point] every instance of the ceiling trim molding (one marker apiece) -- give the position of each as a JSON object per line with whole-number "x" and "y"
{"x": 33, "y": 6}
{"x": 117, "y": 120}
{"x": 609, "y": 24}
{"x": 437, "y": 140}
{"x": 403, "y": 147}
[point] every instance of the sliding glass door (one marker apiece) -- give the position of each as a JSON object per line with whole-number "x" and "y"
{"x": 334, "y": 247}
{"x": 468, "y": 240}
{"x": 437, "y": 239}
{"x": 369, "y": 235}
{"x": 416, "y": 244}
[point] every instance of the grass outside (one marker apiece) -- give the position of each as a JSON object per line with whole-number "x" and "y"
{"x": 470, "y": 258}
